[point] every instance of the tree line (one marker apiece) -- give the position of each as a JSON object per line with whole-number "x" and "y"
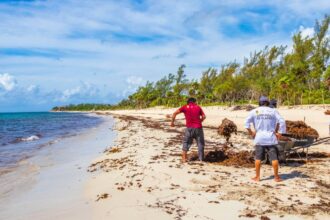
{"x": 300, "y": 75}
{"x": 83, "y": 107}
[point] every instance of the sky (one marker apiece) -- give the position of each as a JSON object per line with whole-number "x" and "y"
{"x": 96, "y": 51}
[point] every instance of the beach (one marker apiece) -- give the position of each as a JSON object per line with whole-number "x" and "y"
{"x": 90, "y": 90}
{"x": 130, "y": 167}
{"x": 141, "y": 176}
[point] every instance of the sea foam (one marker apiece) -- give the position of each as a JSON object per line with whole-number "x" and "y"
{"x": 31, "y": 138}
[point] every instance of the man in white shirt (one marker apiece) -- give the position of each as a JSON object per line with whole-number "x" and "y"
{"x": 264, "y": 120}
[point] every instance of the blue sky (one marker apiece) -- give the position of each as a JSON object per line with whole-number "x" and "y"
{"x": 73, "y": 51}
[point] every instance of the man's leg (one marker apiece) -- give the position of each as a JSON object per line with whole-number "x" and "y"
{"x": 277, "y": 178}
{"x": 272, "y": 153}
{"x": 187, "y": 141}
{"x": 200, "y": 143}
{"x": 257, "y": 167}
{"x": 260, "y": 152}
{"x": 184, "y": 156}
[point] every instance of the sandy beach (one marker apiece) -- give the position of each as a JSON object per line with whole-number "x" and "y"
{"x": 140, "y": 176}
{"x": 130, "y": 167}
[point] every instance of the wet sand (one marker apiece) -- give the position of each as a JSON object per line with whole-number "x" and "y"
{"x": 142, "y": 176}
{"x": 51, "y": 184}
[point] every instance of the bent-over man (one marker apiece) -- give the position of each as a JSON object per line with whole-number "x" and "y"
{"x": 264, "y": 120}
{"x": 194, "y": 117}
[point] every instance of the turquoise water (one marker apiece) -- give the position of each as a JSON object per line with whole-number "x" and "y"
{"x": 22, "y": 134}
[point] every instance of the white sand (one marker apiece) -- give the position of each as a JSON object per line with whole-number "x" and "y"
{"x": 146, "y": 180}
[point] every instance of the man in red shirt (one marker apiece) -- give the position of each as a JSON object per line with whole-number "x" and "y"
{"x": 194, "y": 117}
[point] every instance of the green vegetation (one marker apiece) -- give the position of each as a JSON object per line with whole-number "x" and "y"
{"x": 83, "y": 107}
{"x": 300, "y": 76}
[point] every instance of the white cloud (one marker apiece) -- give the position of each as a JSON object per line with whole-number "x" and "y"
{"x": 7, "y": 82}
{"x": 134, "y": 80}
{"x": 132, "y": 83}
{"x": 33, "y": 89}
{"x": 121, "y": 44}
{"x": 306, "y": 31}
{"x": 68, "y": 93}
{"x": 84, "y": 91}
{"x": 36, "y": 98}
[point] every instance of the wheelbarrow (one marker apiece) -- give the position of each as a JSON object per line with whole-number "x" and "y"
{"x": 289, "y": 145}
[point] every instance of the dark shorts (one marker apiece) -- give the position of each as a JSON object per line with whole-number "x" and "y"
{"x": 262, "y": 150}
{"x": 191, "y": 134}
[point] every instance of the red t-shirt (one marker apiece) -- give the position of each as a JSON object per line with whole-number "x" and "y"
{"x": 192, "y": 112}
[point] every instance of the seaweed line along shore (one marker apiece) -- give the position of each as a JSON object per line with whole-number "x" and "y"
{"x": 144, "y": 166}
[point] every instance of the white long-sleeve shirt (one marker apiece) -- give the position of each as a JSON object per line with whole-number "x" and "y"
{"x": 264, "y": 120}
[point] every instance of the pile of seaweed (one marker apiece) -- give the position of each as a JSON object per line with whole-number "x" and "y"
{"x": 239, "y": 159}
{"x": 226, "y": 128}
{"x": 243, "y": 107}
{"x": 227, "y": 157}
{"x": 300, "y": 130}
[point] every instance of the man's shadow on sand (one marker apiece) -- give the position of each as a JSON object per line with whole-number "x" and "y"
{"x": 292, "y": 175}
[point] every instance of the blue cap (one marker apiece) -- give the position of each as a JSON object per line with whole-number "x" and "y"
{"x": 263, "y": 99}
{"x": 273, "y": 103}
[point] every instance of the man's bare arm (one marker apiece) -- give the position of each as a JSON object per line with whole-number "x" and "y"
{"x": 203, "y": 117}
{"x": 174, "y": 116}
{"x": 277, "y": 127}
{"x": 251, "y": 133}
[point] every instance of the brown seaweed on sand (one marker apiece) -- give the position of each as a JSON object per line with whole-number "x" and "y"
{"x": 239, "y": 159}
{"x": 102, "y": 196}
{"x": 300, "y": 130}
{"x": 243, "y": 107}
{"x": 112, "y": 150}
{"x": 227, "y": 157}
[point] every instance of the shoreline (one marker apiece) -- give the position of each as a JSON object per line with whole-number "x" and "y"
{"x": 50, "y": 184}
{"x": 142, "y": 176}
{"x": 28, "y": 145}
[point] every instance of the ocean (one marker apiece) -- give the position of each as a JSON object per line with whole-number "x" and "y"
{"x": 23, "y": 134}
